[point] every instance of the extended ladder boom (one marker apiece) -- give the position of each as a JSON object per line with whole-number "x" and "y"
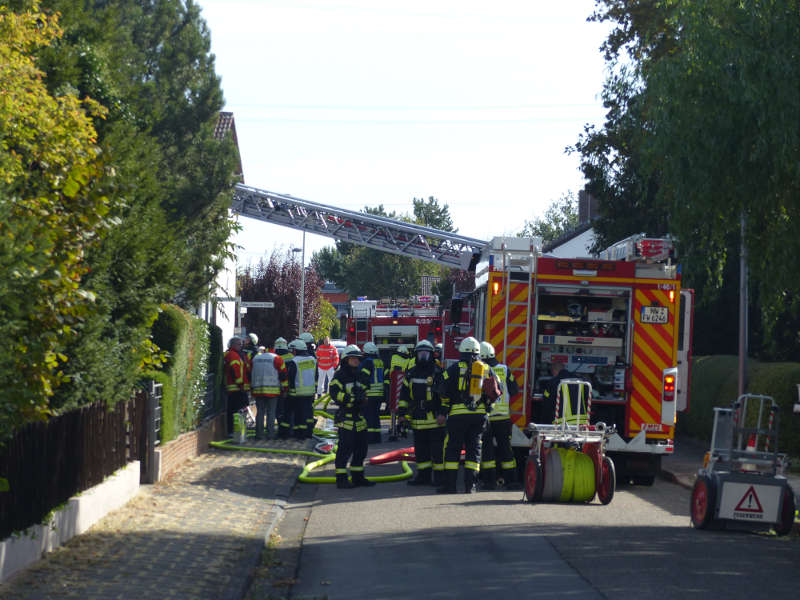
{"x": 381, "y": 233}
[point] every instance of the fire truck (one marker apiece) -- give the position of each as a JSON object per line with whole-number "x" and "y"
{"x": 389, "y": 322}
{"x": 620, "y": 320}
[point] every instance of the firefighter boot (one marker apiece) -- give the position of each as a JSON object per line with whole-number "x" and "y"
{"x": 342, "y": 482}
{"x": 449, "y": 482}
{"x": 360, "y": 481}
{"x": 470, "y": 481}
{"x": 438, "y": 478}
{"x": 423, "y": 478}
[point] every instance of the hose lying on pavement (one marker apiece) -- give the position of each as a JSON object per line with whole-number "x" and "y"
{"x": 324, "y": 459}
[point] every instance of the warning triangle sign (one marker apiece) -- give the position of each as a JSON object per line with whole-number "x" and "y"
{"x": 749, "y": 502}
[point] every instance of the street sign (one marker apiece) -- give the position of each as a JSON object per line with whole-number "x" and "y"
{"x": 257, "y": 304}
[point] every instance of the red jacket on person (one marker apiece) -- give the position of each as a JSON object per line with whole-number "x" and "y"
{"x": 327, "y": 357}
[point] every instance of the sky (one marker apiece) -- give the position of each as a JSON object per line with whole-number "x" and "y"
{"x": 360, "y": 103}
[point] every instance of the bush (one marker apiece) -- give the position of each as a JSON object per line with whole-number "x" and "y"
{"x": 186, "y": 338}
{"x": 715, "y": 383}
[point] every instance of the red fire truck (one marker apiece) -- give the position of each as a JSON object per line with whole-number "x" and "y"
{"x": 621, "y": 322}
{"x": 389, "y": 323}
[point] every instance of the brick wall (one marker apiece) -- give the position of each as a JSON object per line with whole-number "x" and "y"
{"x": 173, "y": 454}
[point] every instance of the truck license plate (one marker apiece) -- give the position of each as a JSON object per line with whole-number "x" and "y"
{"x": 655, "y": 314}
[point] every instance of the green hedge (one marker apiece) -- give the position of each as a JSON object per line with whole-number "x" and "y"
{"x": 186, "y": 338}
{"x": 715, "y": 381}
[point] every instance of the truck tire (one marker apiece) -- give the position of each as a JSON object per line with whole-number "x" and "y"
{"x": 703, "y": 502}
{"x": 786, "y": 516}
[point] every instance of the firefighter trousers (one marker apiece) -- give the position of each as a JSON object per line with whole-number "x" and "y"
{"x": 353, "y": 442}
{"x": 372, "y": 415}
{"x": 464, "y": 431}
{"x": 497, "y": 455}
{"x": 429, "y": 448}
{"x": 291, "y": 418}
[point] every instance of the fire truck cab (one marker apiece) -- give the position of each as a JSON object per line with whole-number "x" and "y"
{"x": 390, "y": 323}
{"x": 620, "y": 321}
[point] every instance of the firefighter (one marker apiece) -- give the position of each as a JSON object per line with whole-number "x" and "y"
{"x": 301, "y": 373}
{"x": 286, "y": 411}
{"x": 496, "y": 444}
{"x": 463, "y": 409}
{"x": 249, "y": 350}
{"x": 308, "y": 403}
{"x": 327, "y": 363}
{"x": 420, "y": 402}
{"x": 547, "y": 413}
{"x": 350, "y": 394}
{"x": 269, "y": 384}
{"x": 438, "y": 355}
{"x": 397, "y": 370}
{"x": 372, "y": 368}
{"x": 400, "y": 358}
{"x": 233, "y": 364}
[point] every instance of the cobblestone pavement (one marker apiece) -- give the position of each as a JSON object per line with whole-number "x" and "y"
{"x": 197, "y": 535}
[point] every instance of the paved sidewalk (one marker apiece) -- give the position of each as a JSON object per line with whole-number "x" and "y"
{"x": 198, "y": 535}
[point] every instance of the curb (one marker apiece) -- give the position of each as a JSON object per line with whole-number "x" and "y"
{"x": 676, "y": 479}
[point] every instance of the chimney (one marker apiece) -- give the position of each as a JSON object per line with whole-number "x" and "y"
{"x": 587, "y": 207}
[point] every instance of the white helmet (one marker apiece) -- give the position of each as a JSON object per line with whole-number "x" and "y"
{"x": 298, "y": 345}
{"x": 281, "y": 344}
{"x": 424, "y": 345}
{"x": 469, "y": 345}
{"x": 370, "y": 348}
{"x": 487, "y": 350}
{"x": 253, "y": 338}
{"x": 352, "y": 350}
{"x": 402, "y": 349}
{"x": 307, "y": 337}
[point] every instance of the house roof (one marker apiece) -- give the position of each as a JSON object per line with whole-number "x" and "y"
{"x": 225, "y": 125}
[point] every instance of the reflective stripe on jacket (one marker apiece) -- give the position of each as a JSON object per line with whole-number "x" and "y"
{"x": 304, "y": 375}
{"x": 234, "y": 371}
{"x": 373, "y": 370}
{"x": 327, "y": 357}
{"x": 269, "y": 375}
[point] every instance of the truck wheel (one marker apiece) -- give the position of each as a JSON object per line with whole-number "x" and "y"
{"x": 534, "y": 480}
{"x": 703, "y": 502}
{"x": 786, "y": 517}
{"x": 608, "y": 481}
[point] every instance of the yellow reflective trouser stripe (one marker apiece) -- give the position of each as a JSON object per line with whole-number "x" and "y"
{"x": 509, "y": 464}
{"x": 424, "y": 465}
{"x": 489, "y": 464}
{"x": 360, "y": 425}
{"x": 341, "y": 471}
{"x": 356, "y": 468}
{"x": 472, "y": 465}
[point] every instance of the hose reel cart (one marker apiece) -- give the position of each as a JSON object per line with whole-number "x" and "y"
{"x": 741, "y": 481}
{"x": 567, "y": 459}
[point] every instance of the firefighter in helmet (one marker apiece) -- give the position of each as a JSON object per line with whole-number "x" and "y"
{"x": 302, "y": 370}
{"x": 498, "y": 457}
{"x": 420, "y": 403}
{"x": 372, "y": 368}
{"x": 465, "y": 396}
{"x": 348, "y": 391}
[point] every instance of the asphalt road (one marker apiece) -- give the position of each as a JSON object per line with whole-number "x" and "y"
{"x": 396, "y": 541}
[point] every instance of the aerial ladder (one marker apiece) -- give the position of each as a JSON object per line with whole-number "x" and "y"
{"x": 373, "y": 231}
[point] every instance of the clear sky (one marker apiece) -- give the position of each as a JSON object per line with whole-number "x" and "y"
{"x": 358, "y": 103}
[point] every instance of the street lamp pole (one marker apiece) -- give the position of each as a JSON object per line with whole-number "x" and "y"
{"x": 302, "y": 281}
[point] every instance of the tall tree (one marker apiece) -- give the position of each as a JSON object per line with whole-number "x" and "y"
{"x": 559, "y": 218}
{"x": 278, "y": 280}
{"x": 52, "y": 210}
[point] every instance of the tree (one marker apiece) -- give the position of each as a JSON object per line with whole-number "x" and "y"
{"x": 278, "y": 280}
{"x": 559, "y": 218}
{"x": 52, "y": 210}
{"x": 376, "y": 274}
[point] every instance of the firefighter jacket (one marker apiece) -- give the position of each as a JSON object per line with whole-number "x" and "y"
{"x": 398, "y": 362}
{"x": 461, "y": 388}
{"x": 327, "y": 357}
{"x": 419, "y": 398}
{"x": 348, "y": 390}
{"x": 372, "y": 369}
{"x": 247, "y": 358}
{"x": 269, "y": 377}
{"x": 508, "y": 387}
{"x": 302, "y": 371}
{"x": 234, "y": 371}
